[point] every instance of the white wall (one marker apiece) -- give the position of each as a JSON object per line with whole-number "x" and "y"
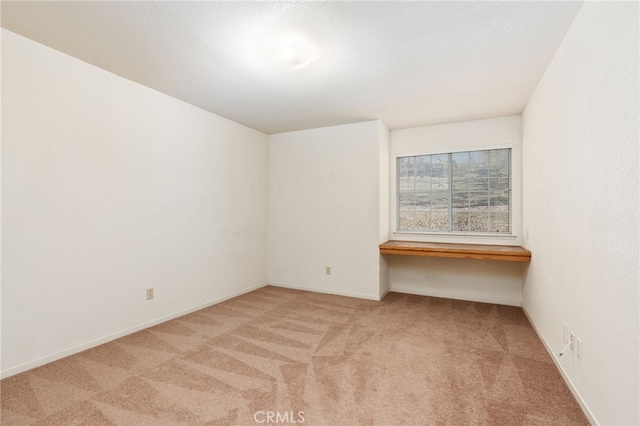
{"x": 385, "y": 181}
{"x": 325, "y": 209}
{"x": 109, "y": 188}
{"x": 581, "y": 207}
{"x": 488, "y": 281}
{"x": 476, "y": 280}
{"x": 1, "y": 35}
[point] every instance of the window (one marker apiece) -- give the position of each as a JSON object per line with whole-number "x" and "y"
{"x": 455, "y": 192}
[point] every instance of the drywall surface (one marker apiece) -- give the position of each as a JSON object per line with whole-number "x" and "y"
{"x": 483, "y": 281}
{"x": 324, "y": 209}
{"x": 581, "y": 189}
{"x": 109, "y": 188}
{"x": 486, "y": 281}
{"x": 385, "y": 181}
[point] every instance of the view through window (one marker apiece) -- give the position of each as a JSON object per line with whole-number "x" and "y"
{"x": 455, "y": 192}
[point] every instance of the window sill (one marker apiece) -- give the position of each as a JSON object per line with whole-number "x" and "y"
{"x": 455, "y": 234}
{"x": 458, "y": 238}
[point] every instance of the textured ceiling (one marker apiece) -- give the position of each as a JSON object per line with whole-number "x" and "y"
{"x": 406, "y": 63}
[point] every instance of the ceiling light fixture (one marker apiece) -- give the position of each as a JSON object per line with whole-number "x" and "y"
{"x": 294, "y": 52}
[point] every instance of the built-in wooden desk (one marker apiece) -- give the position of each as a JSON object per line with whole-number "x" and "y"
{"x": 463, "y": 251}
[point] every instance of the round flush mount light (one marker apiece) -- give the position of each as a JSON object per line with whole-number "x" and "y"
{"x": 293, "y": 52}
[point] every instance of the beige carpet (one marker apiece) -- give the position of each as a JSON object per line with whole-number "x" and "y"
{"x": 287, "y": 356}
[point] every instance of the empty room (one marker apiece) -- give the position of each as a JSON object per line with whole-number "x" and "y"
{"x": 322, "y": 213}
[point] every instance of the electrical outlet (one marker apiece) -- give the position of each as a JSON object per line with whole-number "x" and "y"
{"x": 565, "y": 333}
{"x": 150, "y": 293}
{"x": 578, "y": 344}
{"x": 327, "y": 270}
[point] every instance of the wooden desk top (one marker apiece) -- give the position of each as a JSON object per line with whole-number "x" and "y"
{"x": 462, "y": 251}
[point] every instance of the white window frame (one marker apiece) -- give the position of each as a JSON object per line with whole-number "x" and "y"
{"x": 514, "y": 238}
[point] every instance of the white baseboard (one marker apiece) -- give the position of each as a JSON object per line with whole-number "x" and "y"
{"x": 563, "y": 373}
{"x": 105, "y": 339}
{"x": 445, "y": 295}
{"x": 337, "y": 293}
